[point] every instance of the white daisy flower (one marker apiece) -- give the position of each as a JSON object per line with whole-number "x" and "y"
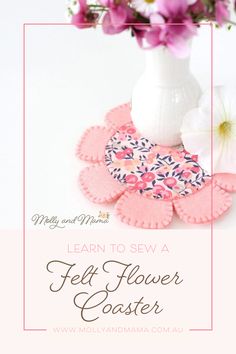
{"x": 145, "y": 7}
{"x": 149, "y": 7}
{"x": 197, "y": 131}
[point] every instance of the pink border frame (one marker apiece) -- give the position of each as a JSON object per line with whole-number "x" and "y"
{"x": 25, "y": 328}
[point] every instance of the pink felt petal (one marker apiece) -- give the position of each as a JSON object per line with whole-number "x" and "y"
{"x": 136, "y": 210}
{"x": 118, "y": 116}
{"x": 227, "y": 181}
{"x": 98, "y": 185}
{"x": 198, "y": 209}
{"x": 92, "y": 144}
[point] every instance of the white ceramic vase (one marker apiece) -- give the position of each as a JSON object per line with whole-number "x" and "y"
{"x": 163, "y": 94}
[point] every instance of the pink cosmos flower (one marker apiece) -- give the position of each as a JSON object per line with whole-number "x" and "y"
{"x": 197, "y": 8}
{"x": 84, "y": 18}
{"x": 139, "y": 31}
{"x": 155, "y": 23}
{"x": 117, "y": 16}
{"x": 221, "y": 11}
{"x": 178, "y": 30}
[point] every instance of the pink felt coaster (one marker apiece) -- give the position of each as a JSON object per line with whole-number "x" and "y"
{"x": 118, "y": 116}
{"x": 148, "y": 181}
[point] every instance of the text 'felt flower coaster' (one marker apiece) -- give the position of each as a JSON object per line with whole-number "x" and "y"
{"x": 146, "y": 180}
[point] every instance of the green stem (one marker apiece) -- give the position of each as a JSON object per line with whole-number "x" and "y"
{"x": 100, "y": 7}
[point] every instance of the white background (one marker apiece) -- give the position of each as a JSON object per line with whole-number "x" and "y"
{"x": 65, "y": 115}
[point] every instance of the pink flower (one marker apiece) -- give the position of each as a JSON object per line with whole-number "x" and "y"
{"x": 195, "y": 169}
{"x": 186, "y": 174}
{"x": 172, "y": 8}
{"x": 140, "y": 185}
{"x": 117, "y": 16}
{"x": 175, "y": 37}
{"x": 139, "y": 32}
{"x": 128, "y": 151}
{"x": 131, "y": 179}
{"x": 120, "y": 155}
{"x": 152, "y": 36}
{"x": 170, "y": 182}
{"x": 84, "y": 18}
{"x": 158, "y": 189}
{"x": 131, "y": 131}
{"x": 148, "y": 177}
{"x": 107, "y": 3}
{"x": 221, "y": 11}
{"x": 194, "y": 157}
{"x": 197, "y": 8}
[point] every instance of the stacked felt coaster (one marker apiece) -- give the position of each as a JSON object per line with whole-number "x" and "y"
{"x": 148, "y": 181}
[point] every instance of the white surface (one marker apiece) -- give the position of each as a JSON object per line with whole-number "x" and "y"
{"x": 73, "y": 78}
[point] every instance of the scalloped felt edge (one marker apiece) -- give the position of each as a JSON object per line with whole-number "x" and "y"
{"x": 137, "y": 222}
{"x": 112, "y": 120}
{"x": 224, "y": 180}
{"x": 111, "y": 197}
{"x": 187, "y": 218}
{"x": 93, "y": 156}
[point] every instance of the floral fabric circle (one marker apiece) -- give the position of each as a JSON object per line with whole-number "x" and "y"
{"x": 154, "y": 171}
